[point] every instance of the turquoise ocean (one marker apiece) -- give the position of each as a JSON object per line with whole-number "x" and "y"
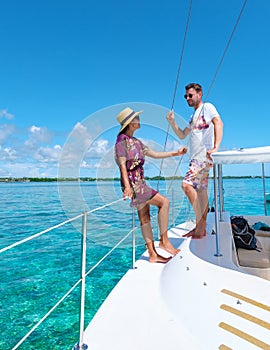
{"x": 38, "y": 273}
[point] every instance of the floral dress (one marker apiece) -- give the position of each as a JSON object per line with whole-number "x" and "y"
{"x": 133, "y": 150}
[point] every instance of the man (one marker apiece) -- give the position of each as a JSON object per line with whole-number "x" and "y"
{"x": 206, "y": 130}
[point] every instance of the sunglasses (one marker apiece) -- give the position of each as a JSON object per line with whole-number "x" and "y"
{"x": 188, "y": 96}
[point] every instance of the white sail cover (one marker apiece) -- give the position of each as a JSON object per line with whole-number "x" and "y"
{"x": 243, "y": 156}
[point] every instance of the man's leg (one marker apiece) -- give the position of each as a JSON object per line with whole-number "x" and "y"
{"x": 202, "y": 196}
{"x": 195, "y": 185}
{"x": 202, "y": 199}
{"x": 199, "y": 201}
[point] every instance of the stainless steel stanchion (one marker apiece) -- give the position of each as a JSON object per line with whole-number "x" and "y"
{"x": 218, "y": 253}
{"x": 83, "y": 346}
{"x": 133, "y": 238}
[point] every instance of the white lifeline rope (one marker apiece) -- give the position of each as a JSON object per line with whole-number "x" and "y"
{"x": 54, "y": 227}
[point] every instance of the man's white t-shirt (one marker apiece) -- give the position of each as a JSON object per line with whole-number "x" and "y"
{"x": 202, "y": 131}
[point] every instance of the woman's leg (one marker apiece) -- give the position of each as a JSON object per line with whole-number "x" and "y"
{"x": 163, "y": 205}
{"x": 144, "y": 217}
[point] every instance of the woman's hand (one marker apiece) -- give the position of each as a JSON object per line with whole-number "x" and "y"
{"x": 180, "y": 151}
{"x": 128, "y": 193}
{"x": 184, "y": 150}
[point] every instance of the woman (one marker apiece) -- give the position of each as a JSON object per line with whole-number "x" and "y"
{"x": 129, "y": 155}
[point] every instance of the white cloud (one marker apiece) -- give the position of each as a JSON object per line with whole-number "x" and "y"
{"x": 5, "y": 131}
{"x": 78, "y": 148}
{"x": 38, "y": 135}
{"x": 98, "y": 156}
{"x": 28, "y": 152}
{"x": 31, "y": 151}
{"x": 5, "y": 114}
{"x": 8, "y": 153}
{"x": 48, "y": 154}
{"x": 84, "y": 165}
{"x": 34, "y": 129}
{"x": 25, "y": 169}
{"x": 81, "y": 134}
{"x": 98, "y": 148}
{"x": 105, "y": 165}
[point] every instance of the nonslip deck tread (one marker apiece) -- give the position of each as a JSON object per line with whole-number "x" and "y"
{"x": 247, "y": 337}
{"x": 246, "y": 299}
{"x": 224, "y": 347}
{"x": 246, "y": 316}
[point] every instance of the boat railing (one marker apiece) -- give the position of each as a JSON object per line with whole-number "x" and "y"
{"x": 83, "y": 273}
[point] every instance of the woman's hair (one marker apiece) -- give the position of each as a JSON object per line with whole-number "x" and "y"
{"x": 195, "y": 86}
{"x": 123, "y": 131}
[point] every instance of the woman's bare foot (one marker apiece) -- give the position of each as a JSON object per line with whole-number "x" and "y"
{"x": 159, "y": 259}
{"x": 169, "y": 247}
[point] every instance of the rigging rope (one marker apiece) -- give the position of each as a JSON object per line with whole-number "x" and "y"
{"x": 215, "y": 75}
{"x": 182, "y": 54}
{"x": 226, "y": 49}
{"x": 213, "y": 80}
{"x": 175, "y": 88}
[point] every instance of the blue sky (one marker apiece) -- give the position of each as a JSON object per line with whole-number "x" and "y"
{"x": 67, "y": 67}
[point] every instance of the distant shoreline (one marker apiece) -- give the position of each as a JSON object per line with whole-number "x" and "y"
{"x": 90, "y": 179}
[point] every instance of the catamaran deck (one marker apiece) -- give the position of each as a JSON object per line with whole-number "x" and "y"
{"x": 154, "y": 306}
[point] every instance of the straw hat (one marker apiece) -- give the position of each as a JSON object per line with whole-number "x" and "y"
{"x": 126, "y": 116}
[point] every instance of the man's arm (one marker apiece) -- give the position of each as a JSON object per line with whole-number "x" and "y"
{"x": 218, "y": 133}
{"x": 179, "y": 132}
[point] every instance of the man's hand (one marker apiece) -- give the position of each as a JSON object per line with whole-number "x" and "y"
{"x": 210, "y": 151}
{"x": 170, "y": 117}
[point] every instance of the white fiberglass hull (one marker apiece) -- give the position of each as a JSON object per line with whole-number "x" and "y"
{"x": 196, "y": 301}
